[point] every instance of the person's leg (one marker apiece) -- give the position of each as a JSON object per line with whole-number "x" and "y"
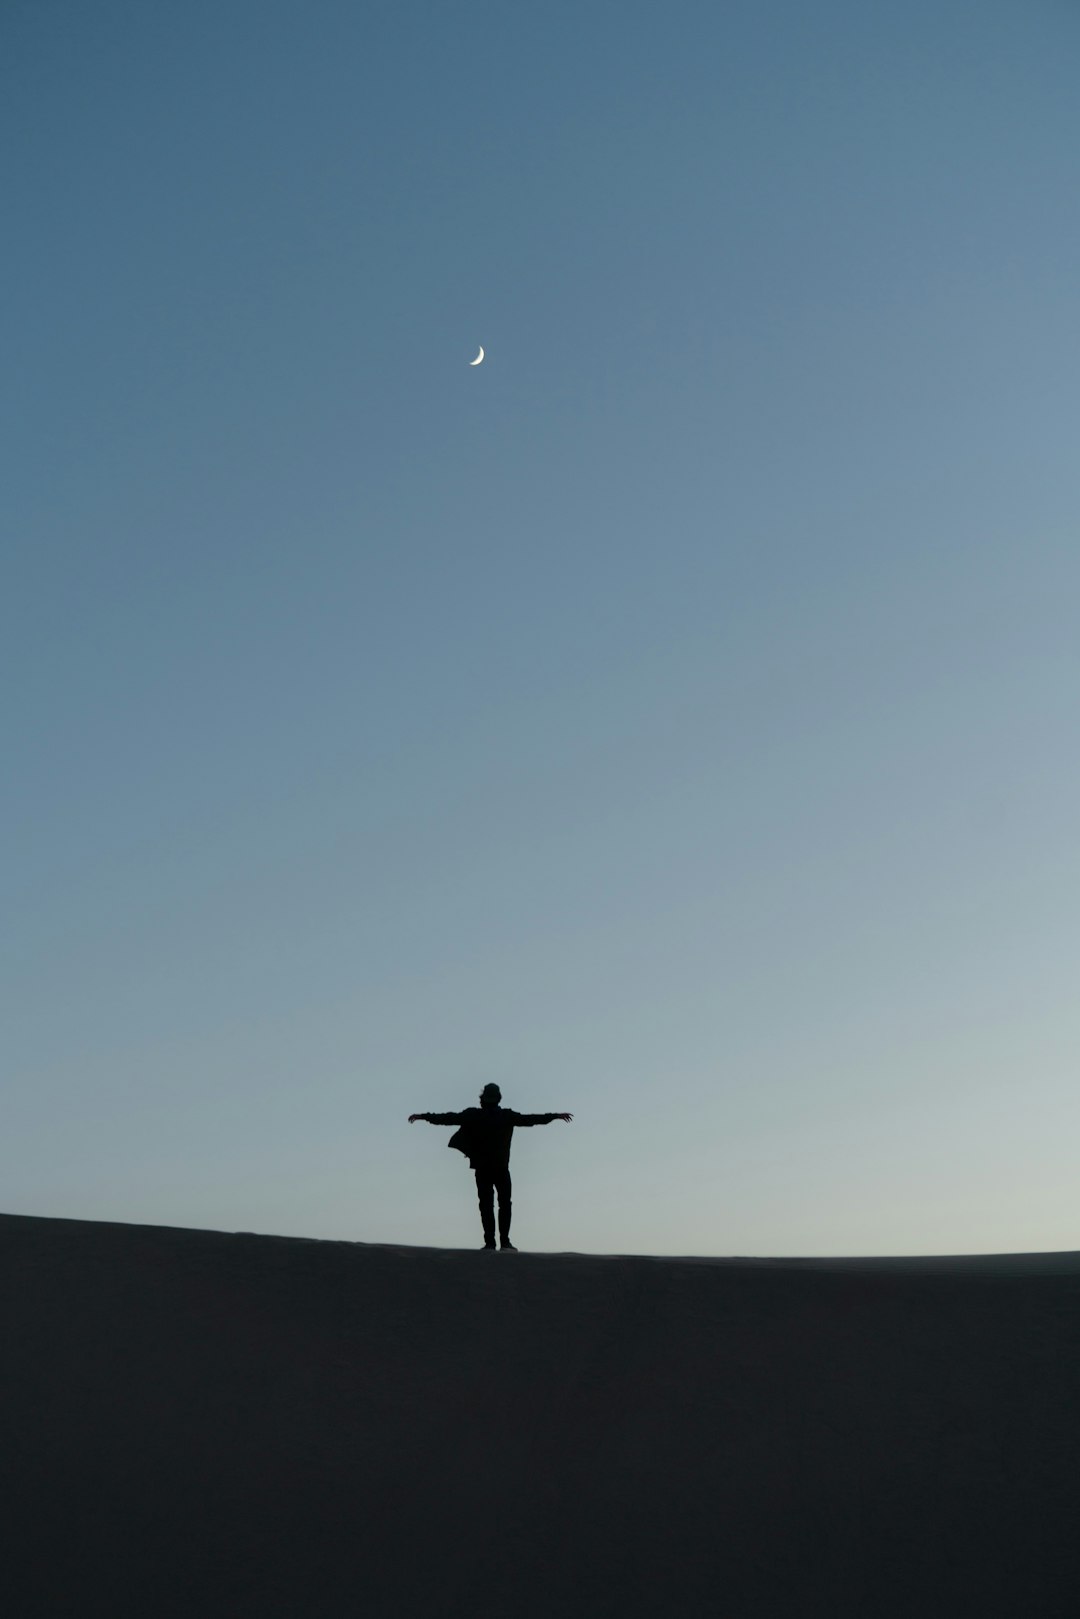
{"x": 503, "y": 1186}
{"x": 485, "y": 1192}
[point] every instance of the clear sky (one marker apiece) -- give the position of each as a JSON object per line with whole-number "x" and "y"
{"x": 673, "y": 718}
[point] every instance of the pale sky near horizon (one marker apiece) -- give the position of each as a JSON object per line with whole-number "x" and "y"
{"x": 673, "y": 719}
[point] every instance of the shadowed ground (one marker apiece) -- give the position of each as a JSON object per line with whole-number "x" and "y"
{"x": 203, "y": 1424}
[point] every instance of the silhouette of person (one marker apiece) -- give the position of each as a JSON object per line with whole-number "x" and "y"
{"x": 484, "y": 1136}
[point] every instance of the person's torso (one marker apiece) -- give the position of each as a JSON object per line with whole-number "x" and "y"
{"x": 490, "y": 1130}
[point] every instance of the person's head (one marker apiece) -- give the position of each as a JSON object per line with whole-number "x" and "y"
{"x": 490, "y": 1096}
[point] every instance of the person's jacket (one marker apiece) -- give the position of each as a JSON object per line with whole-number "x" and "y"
{"x": 485, "y": 1132}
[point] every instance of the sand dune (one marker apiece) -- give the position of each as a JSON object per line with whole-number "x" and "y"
{"x": 198, "y": 1423}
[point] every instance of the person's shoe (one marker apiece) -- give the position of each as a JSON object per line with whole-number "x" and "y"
{"x": 488, "y": 1248}
{"x": 505, "y": 1245}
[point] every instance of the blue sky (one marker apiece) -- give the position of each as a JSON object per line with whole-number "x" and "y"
{"x": 673, "y": 718}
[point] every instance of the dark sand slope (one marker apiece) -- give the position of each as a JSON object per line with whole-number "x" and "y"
{"x": 204, "y": 1424}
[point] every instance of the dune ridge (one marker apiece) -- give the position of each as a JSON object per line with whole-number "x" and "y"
{"x": 205, "y": 1423}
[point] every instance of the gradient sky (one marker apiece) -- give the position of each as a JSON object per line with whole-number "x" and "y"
{"x": 674, "y": 719}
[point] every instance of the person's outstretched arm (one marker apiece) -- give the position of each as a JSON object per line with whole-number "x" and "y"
{"x": 541, "y": 1118}
{"x": 436, "y": 1118}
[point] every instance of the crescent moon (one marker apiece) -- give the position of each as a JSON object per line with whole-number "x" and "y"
{"x": 479, "y": 357}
